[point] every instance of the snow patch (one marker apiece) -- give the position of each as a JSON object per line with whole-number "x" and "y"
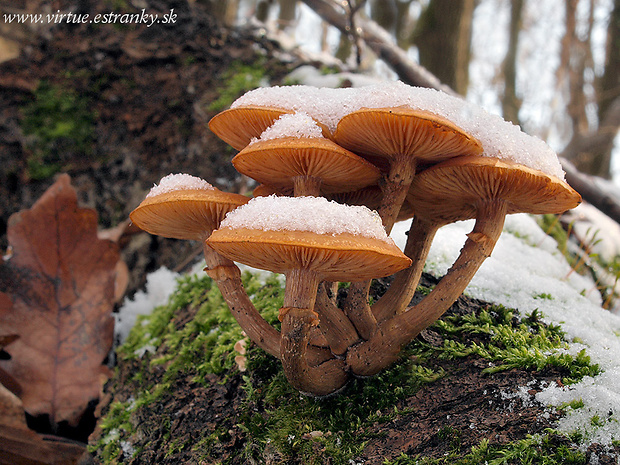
{"x": 313, "y": 214}
{"x": 299, "y": 125}
{"x": 175, "y": 182}
{"x": 159, "y": 286}
{"x": 527, "y": 272}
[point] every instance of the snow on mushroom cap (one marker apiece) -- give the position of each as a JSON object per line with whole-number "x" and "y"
{"x": 291, "y": 125}
{"x": 313, "y": 214}
{"x": 499, "y": 138}
{"x": 175, "y": 182}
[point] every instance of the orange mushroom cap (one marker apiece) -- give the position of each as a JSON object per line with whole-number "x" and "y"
{"x": 382, "y": 134}
{"x": 340, "y": 257}
{"x": 280, "y": 234}
{"x": 450, "y": 191}
{"x": 238, "y": 126}
{"x": 276, "y": 162}
{"x": 185, "y": 213}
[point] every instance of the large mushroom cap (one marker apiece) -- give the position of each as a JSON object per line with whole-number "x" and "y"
{"x": 339, "y": 242}
{"x": 277, "y": 161}
{"x": 381, "y": 134}
{"x": 182, "y": 208}
{"x": 340, "y": 257}
{"x": 451, "y": 190}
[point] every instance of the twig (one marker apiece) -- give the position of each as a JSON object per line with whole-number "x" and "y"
{"x": 586, "y": 186}
{"x": 380, "y": 42}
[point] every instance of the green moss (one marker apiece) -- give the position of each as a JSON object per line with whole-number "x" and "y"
{"x": 116, "y": 427}
{"x": 237, "y": 80}
{"x": 58, "y": 124}
{"x": 278, "y": 420}
{"x": 297, "y": 426}
{"x": 206, "y": 342}
{"x": 510, "y": 343}
{"x": 549, "y": 448}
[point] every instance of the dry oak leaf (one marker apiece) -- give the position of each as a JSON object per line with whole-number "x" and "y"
{"x": 57, "y": 294}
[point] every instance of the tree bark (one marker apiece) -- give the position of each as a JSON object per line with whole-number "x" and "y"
{"x": 443, "y": 38}
{"x": 511, "y": 103}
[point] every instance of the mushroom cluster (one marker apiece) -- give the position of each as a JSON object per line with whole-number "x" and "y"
{"x": 336, "y": 169}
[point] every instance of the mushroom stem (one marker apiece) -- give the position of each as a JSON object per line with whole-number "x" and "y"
{"x": 370, "y": 357}
{"x": 301, "y": 288}
{"x": 307, "y": 186}
{"x": 228, "y": 279}
{"x": 357, "y": 309}
{"x": 320, "y": 380}
{"x": 298, "y": 318}
{"x": 336, "y": 327}
{"x": 394, "y": 187}
{"x": 402, "y": 289}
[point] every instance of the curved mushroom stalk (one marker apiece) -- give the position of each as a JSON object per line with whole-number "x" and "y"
{"x": 402, "y": 289}
{"x": 227, "y": 277}
{"x": 338, "y": 330}
{"x": 297, "y": 319}
{"x": 372, "y": 356}
{"x": 358, "y": 310}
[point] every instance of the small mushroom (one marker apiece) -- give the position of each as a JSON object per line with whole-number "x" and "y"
{"x": 182, "y": 206}
{"x": 484, "y": 188}
{"x": 309, "y": 240}
{"x": 186, "y": 207}
{"x": 294, "y": 153}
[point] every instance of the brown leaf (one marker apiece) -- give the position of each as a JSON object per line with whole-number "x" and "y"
{"x": 7, "y": 380}
{"x": 20, "y": 445}
{"x": 57, "y": 294}
{"x": 24, "y": 446}
{"x": 11, "y": 410}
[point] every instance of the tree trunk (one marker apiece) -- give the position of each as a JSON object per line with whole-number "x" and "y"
{"x": 510, "y": 101}
{"x": 443, "y": 38}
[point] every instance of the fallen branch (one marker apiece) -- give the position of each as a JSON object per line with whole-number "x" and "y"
{"x": 380, "y": 42}
{"x": 590, "y": 191}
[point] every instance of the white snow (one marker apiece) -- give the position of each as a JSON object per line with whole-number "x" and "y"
{"x": 498, "y": 137}
{"x": 313, "y": 214}
{"x": 299, "y": 125}
{"x": 527, "y": 272}
{"x": 159, "y": 286}
{"x": 173, "y": 182}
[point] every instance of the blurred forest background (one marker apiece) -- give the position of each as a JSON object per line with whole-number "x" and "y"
{"x": 551, "y": 66}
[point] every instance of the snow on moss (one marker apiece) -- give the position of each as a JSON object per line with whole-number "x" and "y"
{"x": 174, "y": 182}
{"x": 526, "y": 271}
{"x": 499, "y": 138}
{"x": 313, "y": 214}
